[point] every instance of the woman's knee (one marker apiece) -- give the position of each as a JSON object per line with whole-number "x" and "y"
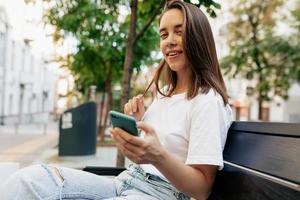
{"x": 34, "y": 180}
{"x": 19, "y": 185}
{"x": 23, "y": 174}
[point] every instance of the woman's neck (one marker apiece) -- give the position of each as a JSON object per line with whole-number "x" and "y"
{"x": 182, "y": 83}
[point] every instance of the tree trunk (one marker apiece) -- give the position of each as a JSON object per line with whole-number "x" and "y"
{"x": 263, "y": 113}
{"x": 129, "y": 54}
{"x": 260, "y": 93}
{"x": 108, "y": 94}
{"x": 100, "y": 115}
{"x": 260, "y": 106}
{"x": 256, "y": 53}
{"x": 128, "y": 66}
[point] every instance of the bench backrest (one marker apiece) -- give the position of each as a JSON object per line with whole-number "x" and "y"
{"x": 262, "y": 161}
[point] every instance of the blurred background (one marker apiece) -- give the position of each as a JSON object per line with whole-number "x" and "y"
{"x": 56, "y": 56}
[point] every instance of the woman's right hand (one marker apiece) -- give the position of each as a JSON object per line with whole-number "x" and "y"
{"x": 135, "y": 107}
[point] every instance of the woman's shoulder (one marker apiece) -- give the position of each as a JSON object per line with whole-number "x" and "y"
{"x": 208, "y": 97}
{"x": 209, "y": 103}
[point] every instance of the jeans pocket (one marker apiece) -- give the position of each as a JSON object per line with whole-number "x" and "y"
{"x": 162, "y": 186}
{"x": 122, "y": 181}
{"x": 159, "y": 184}
{"x": 167, "y": 188}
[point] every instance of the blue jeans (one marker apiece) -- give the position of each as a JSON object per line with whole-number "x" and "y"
{"x": 40, "y": 182}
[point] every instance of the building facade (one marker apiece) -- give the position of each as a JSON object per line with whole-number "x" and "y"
{"x": 26, "y": 84}
{"x": 245, "y": 106}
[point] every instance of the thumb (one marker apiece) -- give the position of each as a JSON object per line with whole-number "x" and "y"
{"x": 145, "y": 127}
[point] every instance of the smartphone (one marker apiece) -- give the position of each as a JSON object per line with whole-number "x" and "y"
{"x": 125, "y": 122}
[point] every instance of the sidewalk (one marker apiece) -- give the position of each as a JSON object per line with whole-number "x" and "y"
{"x": 28, "y": 143}
{"x": 105, "y": 156}
{"x": 28, "y": 150}
{"x": 32, "y": 146}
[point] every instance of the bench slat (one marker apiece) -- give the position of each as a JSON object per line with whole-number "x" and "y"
{"x": 236, "y": 184}
{"x": 273, "y": 128}
{"x": 275, "y": 155}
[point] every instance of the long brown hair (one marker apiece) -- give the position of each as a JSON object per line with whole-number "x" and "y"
{"x": 199, "y": 45}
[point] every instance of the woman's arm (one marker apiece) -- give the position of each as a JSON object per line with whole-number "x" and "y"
{"x": 195, "y": 181}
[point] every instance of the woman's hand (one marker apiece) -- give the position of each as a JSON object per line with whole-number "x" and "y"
{"x": 147, "y": 150}
{"x": 135, "y": 107}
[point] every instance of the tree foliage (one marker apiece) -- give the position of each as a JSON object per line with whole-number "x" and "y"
{"x": 96, "y": 30}
{"x": 100, "y": 36}
{"x": 210, "y": 6}
{"x": 100, "y": 29}
{"x": 258, "y": 52}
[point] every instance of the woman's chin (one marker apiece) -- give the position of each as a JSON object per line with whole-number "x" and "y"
{"x": 175, "y": 67}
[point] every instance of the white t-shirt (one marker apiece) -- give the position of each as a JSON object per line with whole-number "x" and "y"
{"x": 194, "y": 131}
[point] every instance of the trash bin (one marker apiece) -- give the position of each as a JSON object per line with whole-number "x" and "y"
{"x": 77, "y": 131}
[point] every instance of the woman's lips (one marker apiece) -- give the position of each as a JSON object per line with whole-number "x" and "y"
{"x": 173, "y": 54}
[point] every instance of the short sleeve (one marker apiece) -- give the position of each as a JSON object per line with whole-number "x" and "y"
{"x": 206, "y": 133}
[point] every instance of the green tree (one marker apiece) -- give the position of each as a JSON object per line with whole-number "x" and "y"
{"x": 101, "y": 36}
{"x": 256, "y": 52}
{"x": 98, "y": 58}
{"x": 296, "y": 39}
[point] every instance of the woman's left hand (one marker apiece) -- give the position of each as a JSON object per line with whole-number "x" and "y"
{"x": 147, "y": 150}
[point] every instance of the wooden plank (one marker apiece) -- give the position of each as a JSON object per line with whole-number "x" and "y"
{"x": 236, "y": 184}
{"x": 275, "y": 155}
{"x": 285, "y": 129}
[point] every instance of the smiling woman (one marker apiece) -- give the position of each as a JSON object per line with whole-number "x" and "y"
{"x": 185, "y": 127}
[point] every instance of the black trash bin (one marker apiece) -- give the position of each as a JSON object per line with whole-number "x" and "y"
{"x": 77, "y": 131}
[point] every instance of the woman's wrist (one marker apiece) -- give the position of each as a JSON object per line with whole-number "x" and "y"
{"x": 163, "y": 158}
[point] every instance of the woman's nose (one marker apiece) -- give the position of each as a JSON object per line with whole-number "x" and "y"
{"x": 172, "y": 40}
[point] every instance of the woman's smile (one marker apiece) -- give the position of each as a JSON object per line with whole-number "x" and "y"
{"x": 172, "y": 55}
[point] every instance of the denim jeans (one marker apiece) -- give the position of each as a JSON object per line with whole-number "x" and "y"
{"x": 39, "y": 182}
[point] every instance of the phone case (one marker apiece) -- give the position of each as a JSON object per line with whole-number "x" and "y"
{"x": 125, "y": 122}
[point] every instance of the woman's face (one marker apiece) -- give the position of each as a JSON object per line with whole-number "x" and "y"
{"x": 170, "y": 30}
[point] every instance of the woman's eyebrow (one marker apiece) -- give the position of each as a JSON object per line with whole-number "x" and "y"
{"x": 164, "y": 29}
{"x": 178, "y": 26}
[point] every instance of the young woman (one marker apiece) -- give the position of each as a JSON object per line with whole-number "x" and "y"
{"x": 184, "y": 128}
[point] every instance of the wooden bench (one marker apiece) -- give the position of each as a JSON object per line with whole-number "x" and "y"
{"x": 261, "y": 161}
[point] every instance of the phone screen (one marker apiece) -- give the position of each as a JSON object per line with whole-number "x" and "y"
{"x": 123, "y": 121}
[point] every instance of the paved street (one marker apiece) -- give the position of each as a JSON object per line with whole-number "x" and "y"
{"x": 25, "y": 149}
{"x": 25, "y": 143}
{"x": 32, "y": 145}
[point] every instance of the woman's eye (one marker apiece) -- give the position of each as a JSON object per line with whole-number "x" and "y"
{"x": 178, "y": 32}
{"x": 163, "y": 36}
